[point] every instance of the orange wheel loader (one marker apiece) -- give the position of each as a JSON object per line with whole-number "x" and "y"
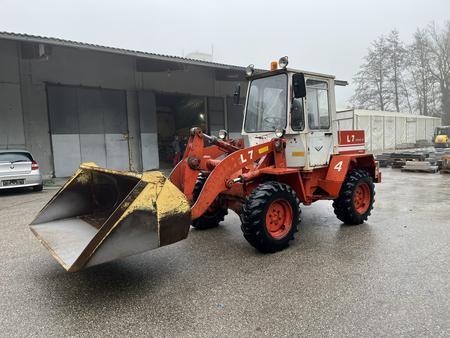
{"x": 293, "y": 155}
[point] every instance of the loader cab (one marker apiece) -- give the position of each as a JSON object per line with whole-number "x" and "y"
{"x": 300, "y": 103}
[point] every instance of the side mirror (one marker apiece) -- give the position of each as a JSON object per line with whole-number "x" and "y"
{"x": 298, "y": 84}
{"x": 237, "y": 94}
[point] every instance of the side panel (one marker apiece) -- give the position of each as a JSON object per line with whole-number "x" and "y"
{"x": 66, "y": 154}
{"x": 400, "y": 131}
{"x": 377, "y": 133}
{"x": 320, "y": 147}
{"x": 117, "y": 152}
{"x": 421, "y": 129}
{"x": 346, "y": 124}
{"x": 296, "y": 151}
{"x": 410, "y": 130}
{"x": 429, "y": 129}
{"x": 339, "y": 167}
{"x": 351, "y": 141}
{"x": 93, "y": 149}
{"x": 389, "y": 132}
{"x": 363, "y": 123}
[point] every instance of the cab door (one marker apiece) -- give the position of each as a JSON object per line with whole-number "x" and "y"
{"x": 320, "y": 136}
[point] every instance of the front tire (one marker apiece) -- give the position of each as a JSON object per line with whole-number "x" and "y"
{"x": 270, "y": 216}
{"x": 355, "y": 201}
{"x": 215, "y": 213}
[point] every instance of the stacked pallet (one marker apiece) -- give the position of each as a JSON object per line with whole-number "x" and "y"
{"x": 420, "y": 166}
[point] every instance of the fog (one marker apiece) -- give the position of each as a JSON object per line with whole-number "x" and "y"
{"x": 326, "y": 36}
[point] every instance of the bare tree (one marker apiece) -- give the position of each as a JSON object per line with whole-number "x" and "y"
{"x": 396, "y": 53}
{"x": 440, "y": 64}
{"x": 416, "y": 78}
{"x": 372, "y": 78}
{"x": 419, "y": 70}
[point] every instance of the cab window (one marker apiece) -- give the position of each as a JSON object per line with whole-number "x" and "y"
{"x": 317, "y": 104}
{"x": 266, "y": 105}
{"x": 297, "y": 115}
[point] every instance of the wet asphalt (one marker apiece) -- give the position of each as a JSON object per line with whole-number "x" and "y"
{"x": 388, "y": 277}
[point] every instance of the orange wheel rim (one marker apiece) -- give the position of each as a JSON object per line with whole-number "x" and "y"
{"x": 279, "y": 218}
{"x": 361, "y": 198}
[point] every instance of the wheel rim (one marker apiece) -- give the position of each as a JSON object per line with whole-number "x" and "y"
{"x": 361, "y": 198}
{"x": 279, "y": 218}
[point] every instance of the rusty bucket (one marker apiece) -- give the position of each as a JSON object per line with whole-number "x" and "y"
{"x": 101, "y": 215}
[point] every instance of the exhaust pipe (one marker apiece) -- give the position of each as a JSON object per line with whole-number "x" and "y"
{"x": 101, "y": 215}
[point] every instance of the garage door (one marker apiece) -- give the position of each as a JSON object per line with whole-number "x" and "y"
{"x": 87, "y": 125}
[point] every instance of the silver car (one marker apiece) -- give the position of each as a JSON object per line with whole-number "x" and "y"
{"x": 18, "y": 169}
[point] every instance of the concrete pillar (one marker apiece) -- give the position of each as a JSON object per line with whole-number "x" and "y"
{"x": 134, "y": 133}
{"x": 149, "y": 130}
{"x": 36, "y": 121}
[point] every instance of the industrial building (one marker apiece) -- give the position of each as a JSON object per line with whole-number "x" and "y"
{"x": 69, "y": 102}
{"x": 389, "y": 130}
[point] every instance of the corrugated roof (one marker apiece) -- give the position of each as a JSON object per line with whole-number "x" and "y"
{"x": 115, "y": 50}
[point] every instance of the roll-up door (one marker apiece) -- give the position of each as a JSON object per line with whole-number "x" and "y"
{"x": 87, "y": 125}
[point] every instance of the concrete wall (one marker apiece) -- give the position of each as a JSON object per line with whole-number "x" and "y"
{"x": 12, "y": 133}
{"x": 24, "y": 120}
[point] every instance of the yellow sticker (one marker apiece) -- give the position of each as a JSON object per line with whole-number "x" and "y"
{"x": 263, "y": 149}
{"x": 298, "y": 153}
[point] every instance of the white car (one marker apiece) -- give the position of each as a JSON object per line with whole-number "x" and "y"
{"x": 18, "y": 169}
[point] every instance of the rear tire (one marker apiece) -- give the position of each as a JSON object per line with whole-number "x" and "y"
{"x": 215, "y": 213}
{"x": 355, "y": 201}
{"x": 270, "y": 216}
{"x": 38, "y": 187}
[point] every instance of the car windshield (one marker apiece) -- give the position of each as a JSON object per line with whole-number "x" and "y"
{"x": 266, "y": 106}
{"x": 15, "y": 157}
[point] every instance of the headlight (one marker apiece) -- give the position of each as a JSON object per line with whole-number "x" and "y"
{"x": 279, "y": 132}
{"x": 223, "y": 134}
{"x": 249, "y": 70}
{"x": 283, "y": 62}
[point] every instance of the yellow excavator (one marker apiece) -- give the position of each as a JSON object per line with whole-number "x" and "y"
{"x": 442, "y": 137}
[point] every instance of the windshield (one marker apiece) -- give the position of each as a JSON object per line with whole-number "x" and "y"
{"x": 266, "y": 106}
{"x": 15, "y": 157}
{"x": 443, "y": 131}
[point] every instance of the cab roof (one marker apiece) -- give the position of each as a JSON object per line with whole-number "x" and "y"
{"x": 260, "y": 74}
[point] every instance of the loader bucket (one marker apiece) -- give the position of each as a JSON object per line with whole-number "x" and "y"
{"x": 101, "y": 215}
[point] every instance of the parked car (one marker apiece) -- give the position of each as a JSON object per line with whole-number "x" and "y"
{"x": 18, "y": 169}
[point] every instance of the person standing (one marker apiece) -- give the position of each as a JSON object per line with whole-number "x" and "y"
{"x": 177, "y": 150}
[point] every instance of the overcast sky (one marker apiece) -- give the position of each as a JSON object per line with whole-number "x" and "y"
{"x": 328, "y": 36}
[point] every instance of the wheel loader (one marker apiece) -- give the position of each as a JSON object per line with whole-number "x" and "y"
{"x": 293, "y": 154}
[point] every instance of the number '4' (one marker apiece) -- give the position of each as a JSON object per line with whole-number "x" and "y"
{"x": 338, "y": 166}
